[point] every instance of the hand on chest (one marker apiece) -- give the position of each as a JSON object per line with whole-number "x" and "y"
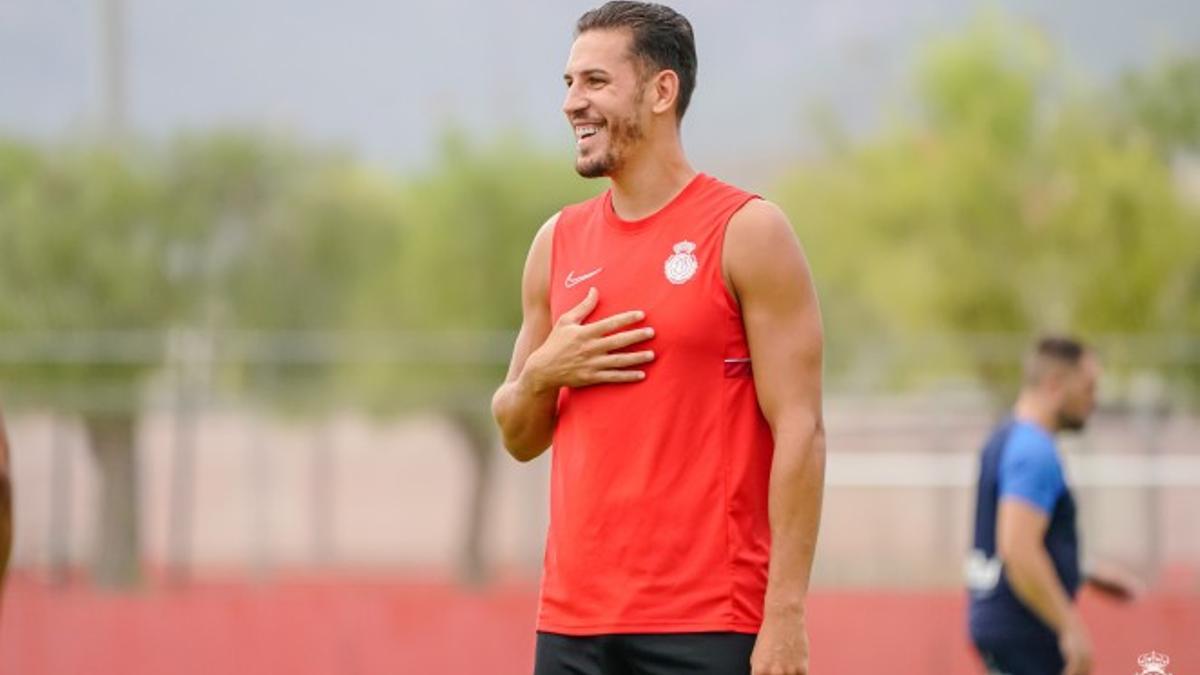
{"x": 672, "y": 282}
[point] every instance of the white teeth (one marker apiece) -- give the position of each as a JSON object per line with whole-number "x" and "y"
{"x": 584, "y": 132}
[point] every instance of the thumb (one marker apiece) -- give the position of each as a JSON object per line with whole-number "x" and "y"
{"x": 581, "y": 311}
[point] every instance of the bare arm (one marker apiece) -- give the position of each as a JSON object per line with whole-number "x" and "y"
{"x": 525, "y": 412}
{"x": 1020, "y": 530}
{"x": 1114, "y": 581}
{"x": 567, "y": 353}
{"x": 6, "y": 529}
{"x": 770, "y": 277}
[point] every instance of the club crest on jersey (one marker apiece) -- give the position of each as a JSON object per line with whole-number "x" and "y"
{"x": 681, "y": 265}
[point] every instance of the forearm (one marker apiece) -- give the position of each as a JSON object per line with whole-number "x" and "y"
{"x": 794, "y": 503}
{"x": 6, "y": 529}
{"x": 1033, "y": 578}
{"x": 526, "y": 414}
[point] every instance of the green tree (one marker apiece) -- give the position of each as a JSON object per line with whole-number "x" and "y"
{"x": 86, "y": 297}
{"x": 1163, "y": 103}
{"x": 291, "y": 230}
{"x": 1002, "y": 207}
{"x": 454, "y": 291}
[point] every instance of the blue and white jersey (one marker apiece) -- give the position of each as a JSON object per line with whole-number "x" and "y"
{"x": 1019, "y": 461}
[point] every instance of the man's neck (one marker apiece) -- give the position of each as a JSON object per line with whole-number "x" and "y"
{"x": 650, "y": 181}
{"x": 1032, "y": 408}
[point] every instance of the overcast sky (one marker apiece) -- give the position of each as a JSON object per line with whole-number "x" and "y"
{"x": 383, "y": 77}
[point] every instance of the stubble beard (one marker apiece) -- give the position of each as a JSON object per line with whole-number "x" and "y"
{"x": 622, "y": 134}
{"x": 595, "y": 168}
{"x": 1071, "y": 423}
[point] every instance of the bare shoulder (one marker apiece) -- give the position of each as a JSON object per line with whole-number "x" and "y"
{"x": 759, "y": 217}
{"x": 536, "y": 279}
{"x": 545, "y": 234}
{"x": 762, "y": 248}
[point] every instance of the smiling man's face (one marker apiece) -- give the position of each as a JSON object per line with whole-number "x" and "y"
{"x": 605, "y": 101}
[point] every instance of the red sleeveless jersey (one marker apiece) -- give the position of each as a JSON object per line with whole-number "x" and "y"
{"x": 658, "y": 498}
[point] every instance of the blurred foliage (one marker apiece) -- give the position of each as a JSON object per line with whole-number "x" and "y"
{"x": 289, "y": 233}
{"x": 457, "y": 280}
{"x": 1003, "y": 206}
{"x": 1006, "y": 203}
{"x": 1163, "y": 103}
{"x": 83, "y": 250}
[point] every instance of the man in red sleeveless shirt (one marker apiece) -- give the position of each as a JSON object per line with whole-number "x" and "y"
{"x": 671, "y": 352}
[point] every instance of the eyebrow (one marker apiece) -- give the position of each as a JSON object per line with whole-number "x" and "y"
{"x": 589, "y": 71}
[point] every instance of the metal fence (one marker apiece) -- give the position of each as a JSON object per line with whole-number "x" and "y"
{"x": 231, "y": 484}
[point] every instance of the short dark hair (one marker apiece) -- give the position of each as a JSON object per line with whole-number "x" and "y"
{"x": 1069, "y": 350}
{"x": 1053, "y": 350}
{"x": 662, "y": 38}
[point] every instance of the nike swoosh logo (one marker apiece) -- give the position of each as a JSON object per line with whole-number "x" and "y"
{"x": 573, "y": 281}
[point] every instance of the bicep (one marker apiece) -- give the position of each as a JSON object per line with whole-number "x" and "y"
{"x": 1030, "y": 484}
{"x": 1020, "y": 526}
{"x": 535, "y": 299}
{"x": 773, "y": 284}
{"x": 3, "y": 448}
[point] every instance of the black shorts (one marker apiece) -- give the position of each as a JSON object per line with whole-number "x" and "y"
{"x": 644, "y": 654}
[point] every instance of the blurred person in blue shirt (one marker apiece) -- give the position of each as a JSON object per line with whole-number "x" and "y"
{"x": 1024, "y": 570}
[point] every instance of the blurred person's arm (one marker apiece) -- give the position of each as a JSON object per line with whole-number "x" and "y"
{"x": 1113, "y": 581}
{"x": 770, "y": 278}
{"x": 548, "y": 356}
{"x": 6, "y": 528}
{"x": 1020, "y": 531}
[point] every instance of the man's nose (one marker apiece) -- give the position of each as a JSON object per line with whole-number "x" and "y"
{"x": 573, "y": 102}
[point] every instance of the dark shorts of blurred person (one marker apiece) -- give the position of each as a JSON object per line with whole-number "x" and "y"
{"x": 644, "y": 654}
{"x": 1020, "y": 657}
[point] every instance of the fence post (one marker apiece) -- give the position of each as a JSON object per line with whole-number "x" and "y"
{"x": 323, "y": 495}
{"x": 259, "y": 470}
{"x": 61, "y": 486}
{"x": 1149, "y": 409}
{"x": 183, "y": 463}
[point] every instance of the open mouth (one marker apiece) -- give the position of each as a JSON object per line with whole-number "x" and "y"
{"x": 584, "y": 132}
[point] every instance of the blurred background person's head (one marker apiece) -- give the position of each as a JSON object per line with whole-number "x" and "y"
{"x": 1059, "y": 383}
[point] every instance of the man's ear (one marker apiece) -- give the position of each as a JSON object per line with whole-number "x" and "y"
{"x": 666, "y": 91}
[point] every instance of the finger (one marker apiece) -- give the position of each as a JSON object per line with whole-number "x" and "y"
{"x": 1121, "y": 591}
{"x": 612, "y": 323}
{"x": 624, "y": 339}
{"x": 617, "y": 376}
{"x": 581, "y": 311}
{"x": 622, "y": 360}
